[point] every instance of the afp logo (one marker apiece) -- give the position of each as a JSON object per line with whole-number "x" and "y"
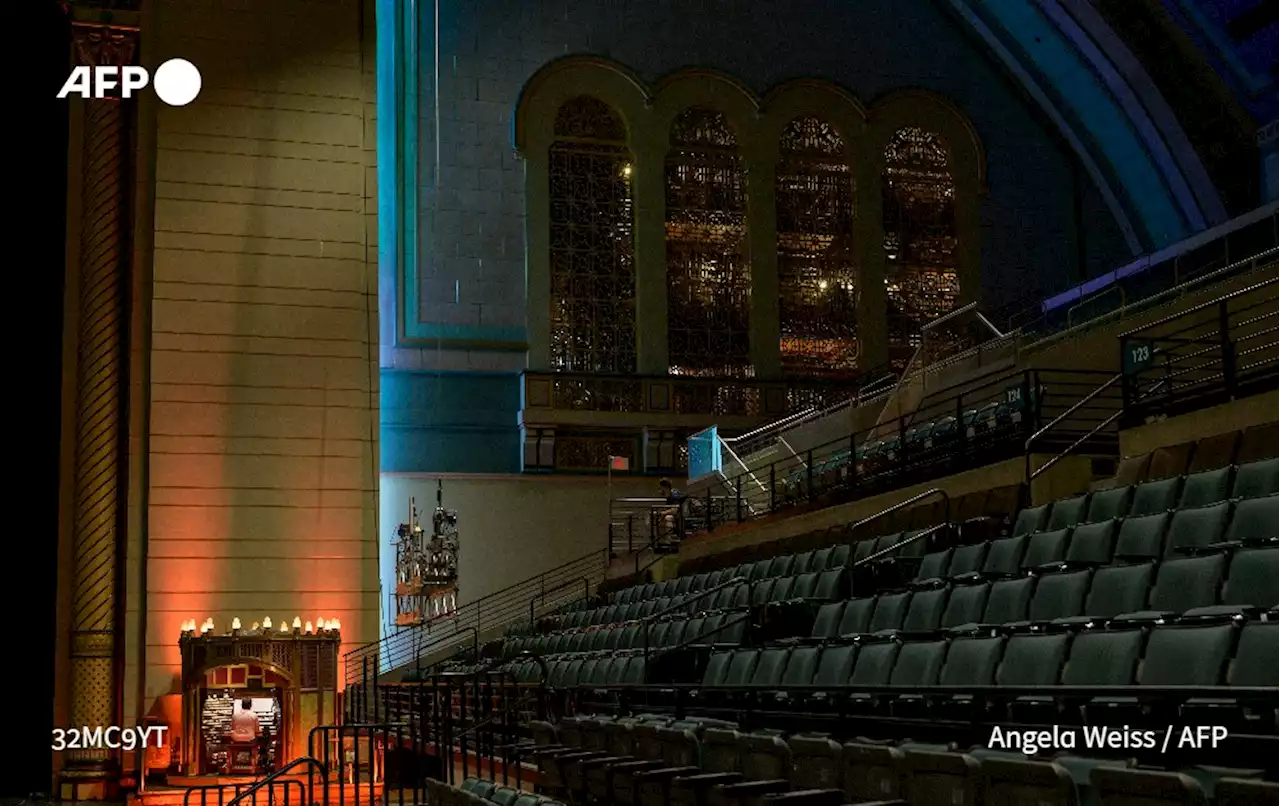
{"x": 177, "y": 82}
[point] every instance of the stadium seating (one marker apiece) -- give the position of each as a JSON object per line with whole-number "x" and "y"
{"x": 1135, "y": 591}
{"x": 477, "y": 792}
{"x": 854, "y": 665}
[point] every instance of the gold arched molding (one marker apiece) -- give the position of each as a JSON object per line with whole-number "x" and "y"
{"x": 713, "y": 90}
{"x": 801, "y": 97}
{"x": 567, "y": 78}
{"x": 758, "y": 121}
{"x": 928, "y": 110}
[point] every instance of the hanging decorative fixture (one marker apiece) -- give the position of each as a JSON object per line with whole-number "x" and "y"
{"x": 426, "y": 566}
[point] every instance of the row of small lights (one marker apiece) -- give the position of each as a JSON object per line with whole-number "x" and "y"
{"x": 326, "y": 625}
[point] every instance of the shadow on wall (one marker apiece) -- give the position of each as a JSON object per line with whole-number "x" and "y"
{"x": 510, "y": 528}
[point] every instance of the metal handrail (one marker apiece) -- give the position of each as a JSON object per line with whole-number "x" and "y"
{"x": 1202, "y": 306}
{"x": 586, "y": 593}
{"x": 311, "y": 763}
{"x": 1072, "y": 410}
{"x": 495, "y": 610}
{"x": 1033, "y": 475}
{"x": 913, "y": 538}
{"x": 646, "y": 623}
{"x": 904, "y": 504}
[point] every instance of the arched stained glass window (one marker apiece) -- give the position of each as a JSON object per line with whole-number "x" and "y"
{"x": 921, "y": 280}
{"x": 708, "y": 275}
{"x": 593, "y": 311}
{"x": 817, "y": 276}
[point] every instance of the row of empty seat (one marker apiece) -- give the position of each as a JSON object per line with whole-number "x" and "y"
{"x": 479, "y": 792}
{"x": 655, "y": 760}
{"x": 1254, "y": 444}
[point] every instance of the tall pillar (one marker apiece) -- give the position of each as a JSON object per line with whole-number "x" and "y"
{"x": 99, "y": 484}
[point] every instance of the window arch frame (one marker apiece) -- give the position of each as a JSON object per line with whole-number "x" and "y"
{"x": 758, "y": 123}
{"x": 923, "y": 109}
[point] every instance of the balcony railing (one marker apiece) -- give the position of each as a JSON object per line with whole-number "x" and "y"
{"x": 676, "y": 395}
{"x": 1210, "y": 354}
{"x": 949, "y": 432}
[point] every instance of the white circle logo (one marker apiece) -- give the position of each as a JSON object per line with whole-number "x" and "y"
{"x": 177, "y": 82}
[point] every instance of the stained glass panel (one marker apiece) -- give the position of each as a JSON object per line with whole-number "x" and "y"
{"x": 817, "y": 275}
{"x": 592, "y": 249}
{"x": 920, "y": 237}
{"x": 708, "y": 276}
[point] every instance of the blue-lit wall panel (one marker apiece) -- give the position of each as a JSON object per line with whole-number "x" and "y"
{"x": 450, "y": 422}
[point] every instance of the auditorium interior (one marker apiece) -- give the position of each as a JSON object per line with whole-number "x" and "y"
{"x": 644, "y": 402}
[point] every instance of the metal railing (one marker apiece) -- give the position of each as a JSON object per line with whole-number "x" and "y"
{"x": 959, "y": 428}
{"x": 469, "y": 720}
{"x": 1212, "y": 353}
{"x": 485, "y": 615}
{"x": 636, "y": 524}
{"x": 1090, "y": 427}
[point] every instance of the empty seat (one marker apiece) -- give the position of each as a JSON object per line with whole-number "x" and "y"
{"x": 857, "y": 617}
{"x": 1252, "y": 579}
{"x": 1118, "y": 589}
{"x": 1046, "y": 548}
{"x": 1008, "y": 601}
{"x": 1106, "y": 505}
{"x": 1059, "y": 596}
{"x": 1214, "y": 453}
{"x": 1033, "y": 660}
{"x": 1152, "y": 497}
{"x": 1142, "y": 537}
{"x": 1204, "y": 488}
{"x": 827, "y": 621}
{"x": 1067, "y": 512}
{"x": 1258, "y": 442}
{"x": 1030, "y": 520}
{"x": 1245, "y": 792}
{"x": 965, "y": 605}
{"x": 933, "y": 566}
{"x": 1004, "y": 557}
{"x": 1194, "y": 529}
{"x": 1187, "y": 583}
{"x": 918, "y": 664}
{"x": 971, "y": 662}
{"x": 1117, "y": 786}
{"x": 925, "y": 612}
{"x": 891, "y": 610}
{"x": 1132, "y": 469}
{"x": 1256, "y": 479}
{"x": 835, "y": 664}
{"x": 1103, "y": 658}
{"x": 1255, "y": 520}
{"x": 874, "y": 664}
{"x": 966, "y": 560}
{"x": 1186, "y": 656}
{"x": 1170, "y": 461}
{"x": 1093, "y": 543}
{"x": 1257, "y": 655}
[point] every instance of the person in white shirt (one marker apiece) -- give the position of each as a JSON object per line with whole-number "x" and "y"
{"x": 244, "y": 723}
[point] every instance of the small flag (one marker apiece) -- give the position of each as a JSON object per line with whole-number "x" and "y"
{"x": 619, "y": 463}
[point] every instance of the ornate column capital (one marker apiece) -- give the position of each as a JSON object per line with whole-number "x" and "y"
{"x": 98, "y": 45}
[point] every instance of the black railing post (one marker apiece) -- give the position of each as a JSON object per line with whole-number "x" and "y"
{"x": 773, "y": 487}
{"x": 710, "y": 520}
{"x": 737, "y": 496}
{"x": 808, "y": 472}
{"x": 1228, "y": 350}
{"x": 364, "y": 691}
{"x": 1030, "y": 405}
{"x": 852, "y": 472}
